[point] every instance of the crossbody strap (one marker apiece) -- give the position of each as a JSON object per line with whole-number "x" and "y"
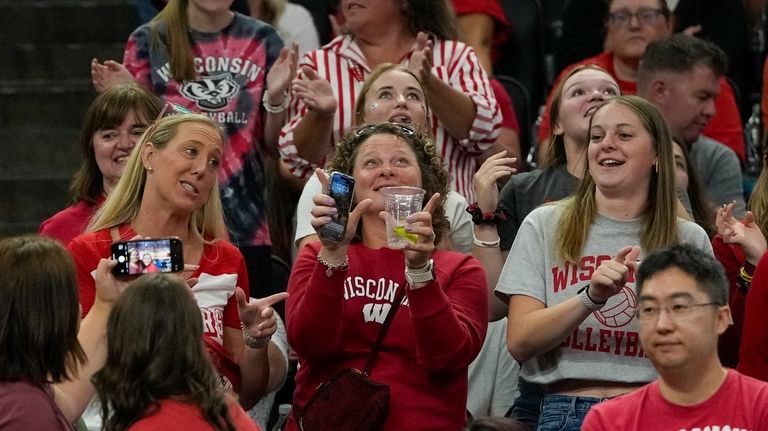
{"x": 383, "y": 332}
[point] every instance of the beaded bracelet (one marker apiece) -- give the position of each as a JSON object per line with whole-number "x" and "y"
{"x": 254, "y": 342}
{"x": 274, "y": 109}
{"x": 479, "y": 217}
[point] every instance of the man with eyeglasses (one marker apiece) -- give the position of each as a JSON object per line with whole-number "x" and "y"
{"x": 630, "y": 26}
{"x": 682, "y": 309}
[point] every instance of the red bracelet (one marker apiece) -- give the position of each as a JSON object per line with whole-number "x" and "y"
{"x": 479, "y": 217}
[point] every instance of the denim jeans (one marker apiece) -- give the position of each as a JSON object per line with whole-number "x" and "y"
{"x": 527, "y": 406}
{"x": 564, "y": 413}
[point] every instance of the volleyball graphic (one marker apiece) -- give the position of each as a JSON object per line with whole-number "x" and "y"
{"x": 619, "y": 310}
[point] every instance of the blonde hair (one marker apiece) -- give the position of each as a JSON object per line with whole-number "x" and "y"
{"x": 661, "y": 214}
{"x": 383, "y": 68}
{"x": 176, "y": 39}
{"x": 206, "y": 224}
{"x": 758, "y": 200}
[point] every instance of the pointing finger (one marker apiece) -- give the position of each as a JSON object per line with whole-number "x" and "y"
{"x": 433, "y": 201}
{"x": 272, "y": 299}
{"x": 621, "y": 256}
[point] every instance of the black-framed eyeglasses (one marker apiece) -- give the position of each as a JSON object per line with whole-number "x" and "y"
{"x": 622, "y": 18}
{"x": 676, "y": 311}
{"x": 398, "y": 128}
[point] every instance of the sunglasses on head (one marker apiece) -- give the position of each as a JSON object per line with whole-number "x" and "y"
{"x": 397, "y": 128}
{"x": 169, "y": 109}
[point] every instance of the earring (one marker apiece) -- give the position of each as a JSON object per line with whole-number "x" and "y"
{"x": 150, "y": 169}
{"x": 656, "y": 167}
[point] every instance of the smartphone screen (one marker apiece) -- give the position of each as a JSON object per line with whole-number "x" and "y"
{"x": 341, "y": 188}
{"x": 145, "y": 256}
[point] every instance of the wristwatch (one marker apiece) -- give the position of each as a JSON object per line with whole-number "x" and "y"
{"x": 420, "y": 275}
{"x": 591, "y": 304}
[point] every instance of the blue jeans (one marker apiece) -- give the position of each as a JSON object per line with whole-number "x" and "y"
{"x": 527, "y": 406}
{"x": 564, "y": 413}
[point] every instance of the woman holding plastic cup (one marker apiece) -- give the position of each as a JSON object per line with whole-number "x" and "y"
{"x": 394, "y": 93}
{"x": 341, "y": 292}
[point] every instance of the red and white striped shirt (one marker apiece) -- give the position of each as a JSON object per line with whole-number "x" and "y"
{"x": 342, "y": 64}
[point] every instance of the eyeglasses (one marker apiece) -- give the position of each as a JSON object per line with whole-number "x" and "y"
{"x": 623, "y": 18}
{"x": 397, "y": 128}
{"x": 168, "y": 110}
{"x": 676, "y": 311}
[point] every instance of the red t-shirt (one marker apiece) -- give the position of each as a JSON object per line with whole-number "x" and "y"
{"x": 221, "y": 269}
{"x": 725, "y": 127}
{"x": 741, "y": 403}
{"x": 176, "y": 415}
{"x": 753, "y": 352}
{"x": 70, "y": 222}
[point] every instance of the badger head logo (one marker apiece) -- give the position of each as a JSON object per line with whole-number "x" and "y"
{"x": 211, "y": 93}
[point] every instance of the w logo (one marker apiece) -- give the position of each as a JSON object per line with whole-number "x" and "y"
{"x": 376, "y": 312}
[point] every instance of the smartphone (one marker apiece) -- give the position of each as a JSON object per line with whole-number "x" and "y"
{"x": 341, "y": 188}
{"x": 142, "y": 256}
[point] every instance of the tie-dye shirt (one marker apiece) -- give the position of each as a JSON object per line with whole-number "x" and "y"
{"x": 232, "y": 66}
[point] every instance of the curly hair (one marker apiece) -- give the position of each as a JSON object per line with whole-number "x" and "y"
{"x": 434, "y": 177}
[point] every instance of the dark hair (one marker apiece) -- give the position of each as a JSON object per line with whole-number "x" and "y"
{"x": 430, "y": 16}
{"x": 39, "y": 311}
{"x": 679, "y": 53}
{"x": 108, "y": 110}
{"x": 156, "y": 352}
{"x": 434, "y": 177}
{"x": 697, "y": 196}
{"x": 703, "y": 267}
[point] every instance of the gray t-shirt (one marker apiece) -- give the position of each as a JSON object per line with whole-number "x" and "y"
{"x": 606, "y": 345}
{"x": 719, "y": 170}
{"x": 526, "y": 191}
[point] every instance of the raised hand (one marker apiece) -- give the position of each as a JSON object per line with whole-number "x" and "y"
{"x": 282, "y": 72}
{"x": 421, "y": 59}
{"x": 746, "y": 233}
{"x": 314, "y": 91}
{"x": 611, "y": 276}
{"x": 417, "y": 254}
{"x": 258, "y": 316}
{"x": 108, "y": 288}
{"x": 111, "y": 73}
{"x": 495, "y": 167}
{"x": 325, "y": 207}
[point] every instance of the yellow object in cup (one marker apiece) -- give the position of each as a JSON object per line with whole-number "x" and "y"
{"x": 401, "y": 232}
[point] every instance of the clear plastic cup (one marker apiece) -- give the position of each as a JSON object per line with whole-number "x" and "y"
{"x": 399, "y": 203}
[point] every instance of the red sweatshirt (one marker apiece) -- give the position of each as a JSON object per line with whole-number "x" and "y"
{"x": 332, "y": 323}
